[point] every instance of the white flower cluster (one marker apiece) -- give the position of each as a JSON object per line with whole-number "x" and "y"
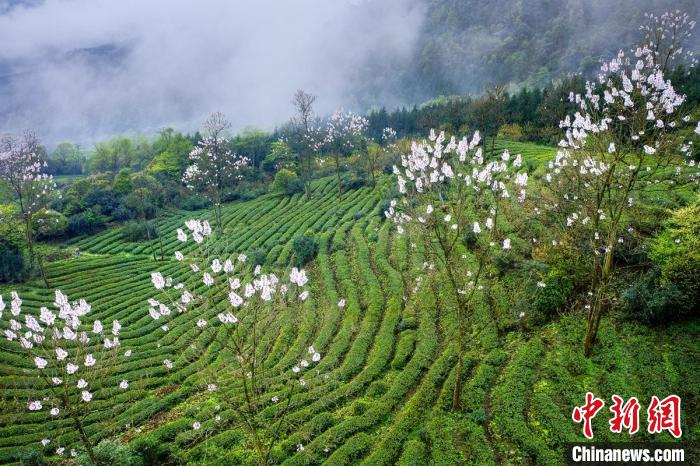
{"x": 628, "y": 115}
{"x": 212, "y": 163}
{"x": 434, "y": 168}
{"x": 22, "y": 164}
{"x": 315, "y": 356}
{"x": 263, "y": 286}
{"x": 57, "y": 345}
{"x": 342, "y": 129}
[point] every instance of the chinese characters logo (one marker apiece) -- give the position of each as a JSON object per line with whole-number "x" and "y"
{"x": 662, "y": 415}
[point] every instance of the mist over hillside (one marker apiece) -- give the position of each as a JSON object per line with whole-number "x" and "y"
{"x": 86, "y": 70}
{"x": 466, "y": 45}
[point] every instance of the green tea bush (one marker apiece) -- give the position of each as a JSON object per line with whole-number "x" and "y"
{"x": 414, "y": 454}
{"x": 32, "y": 457}
{"x": 113, "y": 453}
{"x": 305, "y": 248}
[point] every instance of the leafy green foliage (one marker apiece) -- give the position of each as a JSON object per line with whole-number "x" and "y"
{"x": 676, "y": 255}
{"x": 113, "y": 453}
{"x": 12, "y": 265}
{"x": 84, "y": 223}
{"x": 305, "y": 248}
{"x": 32, "y": 457}
{"x": 139, "y": 231}
{"x": 283, "y": 178}
{"x": 551, "y": 299}
{"x": 193, "y": 203}
{"x": 650, "y": 302}
{"x": 49, "y": 224}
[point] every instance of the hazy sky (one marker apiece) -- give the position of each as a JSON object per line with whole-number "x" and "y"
{"x": 87, "y": 69}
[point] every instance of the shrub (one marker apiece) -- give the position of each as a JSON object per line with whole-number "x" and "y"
{"x": 33, "y": 457}
{"x": 545, "y": 302}
{"x": 649, "y": 301}
{"x": 138, "y": 231}
{"x": 305, "y": 248}
{"x": 257, "y": 256}
{"x": 49, "y": 224}
{"x": 122, "y": 213}
{"x": 113, "y": 453}
{"x": 683, "y": 271}
{"x": 354, "y": 182}
{"x": 513, "y": 132}
{"x": 192, "y": 203}
{"x": 152, "y": 450}
{"x": 101, "y": 199}
{"x": 84, "y": 223}
{"x": 567, "y": 261}
{"x": 282, "y": 179}
{"x": 414, "y": 454}
{"x": 676, "y": 253}
{"x": 243, "y": 194}
{"x": 294, "y": 187}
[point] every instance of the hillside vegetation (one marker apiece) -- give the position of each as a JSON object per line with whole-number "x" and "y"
{"x": 387, "y": 372}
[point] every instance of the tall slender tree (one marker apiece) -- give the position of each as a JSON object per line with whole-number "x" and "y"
{"x": 622, "y": 141}
{"x": 22, "y": 165}
{"x": 213, "y": 166}
{"x": 343, "y": 134}
{"x": 305, "y": 134}
{"x": 461, "y": 204}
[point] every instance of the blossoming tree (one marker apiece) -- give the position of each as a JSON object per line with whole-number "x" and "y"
{"x": 457, "y": 201}
{"x": 376, "y": 150}
{"x": 73, "y": 361}
{"x": 248, "y": 306}
{"x": 624, "y": 142}
{"x": 342, "y": 135}
{"x": 305, "y": 135}
{"x": 213, "y": 166}
{"x": 22, "y": 166}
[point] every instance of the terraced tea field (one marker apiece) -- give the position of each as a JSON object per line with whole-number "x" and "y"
{"x": 387, "y": 368}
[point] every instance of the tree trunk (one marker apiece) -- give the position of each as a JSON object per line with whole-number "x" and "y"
{"x": 598, "y": 306}
{"x": 162, "y": 250}
{"x": 148, "y": 235}
{"x": 86, "y": 440}
{"x": 30, "y": 241}
{"x": 457, "y": 392}
{"x": 40, "y": 259}
{"x": 307, "y": 178}
{"x": 461, "y": 316}
{"x": 217, "y": 214}
{"x": 337, "y": 172}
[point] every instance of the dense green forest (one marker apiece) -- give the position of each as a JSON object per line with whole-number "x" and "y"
{"x": 456, "y": 282}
